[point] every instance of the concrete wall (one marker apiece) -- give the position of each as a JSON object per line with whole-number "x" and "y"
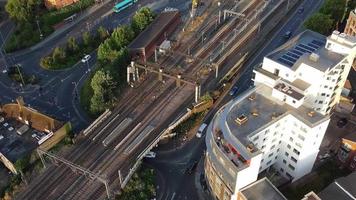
{"x": 57, "y": 137}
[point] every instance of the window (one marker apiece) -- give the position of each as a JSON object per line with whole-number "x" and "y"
{"x": 286, "y": 153}
{"x": 267, "y": 131}
{"x": 288, "y": 146}
{"x": 291, "y": 167}
{"x": 301, "y": 137}
{"x": 284, "y": 161}
{"x": 270, "y": 155}
{"x": 328, "y": 95}
{"x": 282, "y": 170}
{"x": 275, "y": 157}
{"x": 296, "y": 151}
{"x": 269, "y": 162}
{"x": 256, "y": 138}
{"x": 293, "y": 159}
{"x": 328, "y": 78}
{"x": 291, "y": 139}
{"x": 272, "y": 147}
{"x": 294, "y": 101}
{"x": 263, "y": 146}
{"x": 325, "y": 86}
{"x": 320, "y": 102}
{"x": 298, "y": 144}
{"x": 322, "y": 94}
{"x": 287, "y": 75}
{"x": 262, "y": 161}
{"x": 278, "y": 150}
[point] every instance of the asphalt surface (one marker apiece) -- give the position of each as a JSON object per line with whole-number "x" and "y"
{"x": 172, "y": 181}
{"x": 54, "y": 93}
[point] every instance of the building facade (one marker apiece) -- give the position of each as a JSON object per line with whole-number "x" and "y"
{"x": 350, "y": 28}
{"x": 57, "y": 4}
{"x": 347, "y": 151}
{"x": 281, "y": 121}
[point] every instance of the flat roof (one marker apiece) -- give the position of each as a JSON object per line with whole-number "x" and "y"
{"x": 261, "y": 110}
{"x": 154, "y": 29}
{"x": 297, "y": 51}
{"x": 343, "y": 188}
{"x": 262, "y": 189}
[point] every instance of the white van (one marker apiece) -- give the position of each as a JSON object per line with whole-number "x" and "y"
{"x": 201, "y": 130}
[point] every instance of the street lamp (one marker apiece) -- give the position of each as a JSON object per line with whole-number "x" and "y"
{"x": 39, "y": 28}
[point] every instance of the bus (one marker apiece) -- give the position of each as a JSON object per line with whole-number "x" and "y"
{"x": 123, "y": 5}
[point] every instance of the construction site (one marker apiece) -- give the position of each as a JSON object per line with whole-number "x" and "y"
{"x": 169, "y": 72}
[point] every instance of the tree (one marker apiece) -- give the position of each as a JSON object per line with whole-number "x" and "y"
{"x": 22, "y": 10}
{"x": 142, "y": 19}
{"x": 121, "y": 37}
{"x": 334, "y": 8}
{"x": 104, "y": 51}
{"x": 103, "y": 33}
{"x": 72, "y": 44}
{"x": 58, "y": 55}
{"x": 320, "y": 23}
{"x": 87, "y": 40}
{"x": 103, "y": 85}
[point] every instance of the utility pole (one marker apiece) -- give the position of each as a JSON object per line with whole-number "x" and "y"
{"x": 18, "y": 69}
{"x": 39, "y": 28}
{"x": 219, "y": 4}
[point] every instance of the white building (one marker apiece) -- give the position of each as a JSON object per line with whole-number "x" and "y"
{"x": 282, "y": 120}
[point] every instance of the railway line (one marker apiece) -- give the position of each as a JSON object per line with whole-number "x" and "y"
{"x": 59, "y": 182}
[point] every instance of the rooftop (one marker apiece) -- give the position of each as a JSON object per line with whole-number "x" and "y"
{"x": 255, "y": 110}
{"x": 262, "y": 189}
{"x": 154, "y": 29}
{"x": 343, "y": 188}
{"x": 307, "y": 47}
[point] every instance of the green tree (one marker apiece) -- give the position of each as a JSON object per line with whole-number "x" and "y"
{"x": 87, "y": 39}
{"x": 72, "y": 44}
{"x": 58, "y": 55}
{"x": 320, "y": 23}
{"x": 334, "y": 8}
{"x": 142, "y": 19}
{"x": 103, "y": 33}
{"x": 22, "y": 10}
{"x": 103, "y": 85}
{"x": 105, "y": 51}
{"x": 121, "y": 37}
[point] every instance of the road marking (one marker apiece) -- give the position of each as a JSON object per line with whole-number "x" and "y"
{"x": 127, "y": 136}
{"x": 124, "y": 124}
{"x": 102, "y": 130}
{"x": 174, "y": 194}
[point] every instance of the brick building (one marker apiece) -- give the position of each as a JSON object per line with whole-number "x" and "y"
{"x": 350, "y": 28}
{"x": 58, "y": 3}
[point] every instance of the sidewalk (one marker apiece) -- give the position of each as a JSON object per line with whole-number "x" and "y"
{"x": 203, "y": 194}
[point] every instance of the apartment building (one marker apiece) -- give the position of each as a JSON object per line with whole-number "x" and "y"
{"x": 350, "y": 28}
{"x": 281, "y": 121}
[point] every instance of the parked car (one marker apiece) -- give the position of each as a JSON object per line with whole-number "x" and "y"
{"x": 5, "y": 124}
{"x": 342, "y": 122}
{"x": 10, "y": 128}
{"x": 86, "y": 58}
{"x": 150, "y": 155}
{"x": 201, "y": 130}
{"x": 233, "y": 90}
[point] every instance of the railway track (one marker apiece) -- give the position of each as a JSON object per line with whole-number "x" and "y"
{"x": 93, "y": 155}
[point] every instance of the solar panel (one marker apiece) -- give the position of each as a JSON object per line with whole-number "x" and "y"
{"x": 302, "y": 49}
{"x": 313, "y": 45}
{"x": 306, "y": 47}
{"x": 285, "y": 62}
{"x": 318, "y": 42}
{"x": 292, "y": 55}
{"x": 297, "y": 52}
{"x": 289, "y": 58}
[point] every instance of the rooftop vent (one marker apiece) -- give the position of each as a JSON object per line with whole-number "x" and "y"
{"x": 311, "y": 113}
{"x": 314, "y": 57}
{"x": 252, "y": 97}
{"x": 241, "y": 119}
{"x": 254, "y": 113}
{"x": 250, "y": 147}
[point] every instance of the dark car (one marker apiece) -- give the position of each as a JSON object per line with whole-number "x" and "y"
{"x": 233, "y": 90}
{"x": 342, "y": 122}
{"x": 190, "y": 169}
{"x": 287, "y": 34}
{"x": 301, "y": 10}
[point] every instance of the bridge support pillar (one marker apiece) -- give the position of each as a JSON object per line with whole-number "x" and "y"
{"x": 197, "y": 92}
{"x": 178, "y": 80}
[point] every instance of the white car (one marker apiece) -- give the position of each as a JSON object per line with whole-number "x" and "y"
{"x": 86, "y": 58}
{"x": 10, "y": 128}
{"x": 5, "y": 124}
{"x": 4, "y": 71}
{"x": 150, "y": 155}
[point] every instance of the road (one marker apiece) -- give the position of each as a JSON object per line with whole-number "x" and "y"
{"x": 56, "y": 88}
{"x": 172, "y": 182}
{"x": 139, "y": 119}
